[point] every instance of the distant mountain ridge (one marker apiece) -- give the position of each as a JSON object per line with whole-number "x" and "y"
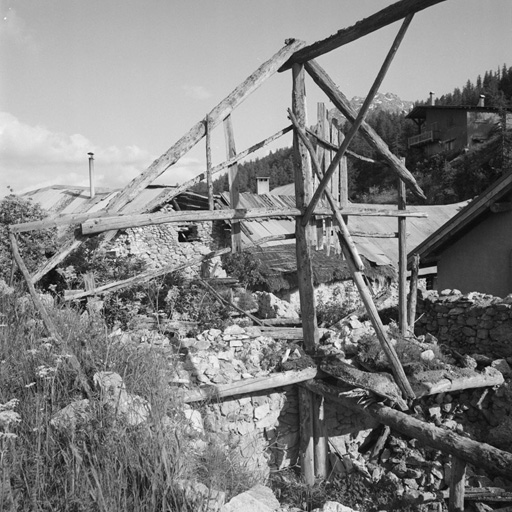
{"x": 389, "y": 102}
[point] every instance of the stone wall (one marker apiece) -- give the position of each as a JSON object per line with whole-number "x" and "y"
{"x": 263, "y": 427}
{"x": 171, "y": 244}
{"x": 470, "y": 323}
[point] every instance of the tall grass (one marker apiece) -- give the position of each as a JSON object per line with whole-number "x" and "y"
{"x": 103, "y": 463}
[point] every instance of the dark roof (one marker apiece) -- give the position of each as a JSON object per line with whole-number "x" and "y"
{"x": 280, "y": 266}
{"x": 420, "y": 111}
{"x": 471, "y": 215}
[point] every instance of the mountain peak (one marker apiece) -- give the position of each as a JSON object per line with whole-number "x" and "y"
{"x": 388, "y": 102}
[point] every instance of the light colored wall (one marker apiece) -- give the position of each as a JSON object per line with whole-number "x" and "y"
{"x": 480, "y": 261}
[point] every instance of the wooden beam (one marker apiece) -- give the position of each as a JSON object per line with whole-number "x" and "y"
{"x": 355, "y": 266}
{"x": 402, "y": 261}
{"x": 306, "y": 447}
{"x": 359, "y": 119}
{"x": 457, "y": 481}
{"x": 143, "y": 277}
{"x": 148, "y": 219}
{"x": 209, "y": 179}
{"x": 481, "y": 455}
{"x": 347, "y": 241}
{"x": 191, "y": 138}
{"x": 303, "y": 193}
{"x": 216, "y": 116}
{"x": 333, "y": 147}
{"x": 343, "y": 105}
{"x": 380, "y": 19}
{"x": 253, "y": 385}
{"x": 234, "y": 184}
{"x": 413, "y": 293}
{"x": 163, "y": 198}
{"x": 47, "y": 321}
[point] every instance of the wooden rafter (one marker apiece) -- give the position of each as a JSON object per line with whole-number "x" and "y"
{"x": 386, "y": 16}
{"x": 359, "y": 119}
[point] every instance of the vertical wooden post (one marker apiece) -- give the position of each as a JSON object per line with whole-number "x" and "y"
{"x": 321, "y": 130}
{"x": 320, "y": 438}
{"x": 413, "y": 293}
{"x": 303, "y": 193}
{"x": 306, "y": 449}
{"x": 234, "y": 184}
{"x": 209, "y": 181}
{"x": 402, "y": 261}
{"x": 456, "y": 503}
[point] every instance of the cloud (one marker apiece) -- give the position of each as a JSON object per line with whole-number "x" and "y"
{"x": 196, "y": 92}
{"x": 34, "y": 156}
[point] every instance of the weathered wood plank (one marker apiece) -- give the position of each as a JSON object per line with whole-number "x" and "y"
{"x": 355, "y": 266}
{"x": 306, "y": 448}
{"x": 340, "y": 101}
{"x": 402, "y": 261}
{"x": 456, "y": 503}
{"x": 143, "y": 277}
{"x": 209, "y": 178}
{"x": 216, "y": 116}
{"x": 253, "y": 385}
{"x": 234, "y": 184}
{"x": 303, "y": 193}
{"x": 380, "y": 19}
{"x": 413, "y": 293}
{"x": 359, "y": 119}
{"x": 479, "y": 454}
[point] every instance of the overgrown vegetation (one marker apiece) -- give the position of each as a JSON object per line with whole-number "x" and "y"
{"x": 100, "y": 461}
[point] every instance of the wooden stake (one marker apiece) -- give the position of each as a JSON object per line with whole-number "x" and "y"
{"x": 306, "y": 449}
{"x": 234, "y": 184}
{"x": 303, "y": 192}
{"x": 359, "y": 119}
{"x": 413, "y": 293}
{"x": 402, "y": 262}
{"x": 209, "y": 179}
{"x": 456, "y": 503}
{"x": 320, "y": 438}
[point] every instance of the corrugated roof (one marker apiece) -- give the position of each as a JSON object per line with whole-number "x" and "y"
{"x": 381, "y": 251}
{"x": 59, "y": 199}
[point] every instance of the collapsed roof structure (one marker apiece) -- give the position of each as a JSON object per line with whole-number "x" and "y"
{"x": 298, "y": 57}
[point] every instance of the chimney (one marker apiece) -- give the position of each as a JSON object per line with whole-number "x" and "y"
{"x": 262, "y": 185}
{"x": 481, "y": 100}
{"x": 91, "y": 174}
{"x": 431, "y": 100}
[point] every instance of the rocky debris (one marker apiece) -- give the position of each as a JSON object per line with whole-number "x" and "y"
{"x": 257, "y": 499}
{"x": 72, "y": 417}
{"x": 333, "y": 506}
{"x": 197, "y": 495}
{"x": 270, "y": 306}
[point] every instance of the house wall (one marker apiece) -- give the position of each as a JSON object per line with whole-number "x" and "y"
{"x": 481, "y": 260}
{"x": 451, "y": 124}
{"x": 171, "y": 244}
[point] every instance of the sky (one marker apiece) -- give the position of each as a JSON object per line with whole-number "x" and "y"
{"x": 125, "y": 79}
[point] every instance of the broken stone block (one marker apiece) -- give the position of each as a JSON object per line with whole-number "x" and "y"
{"x": 257, "y": 499}
{"x": 502, "y": 366}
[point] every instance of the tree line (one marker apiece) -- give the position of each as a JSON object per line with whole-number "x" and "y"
{"x": 443, "y": 180}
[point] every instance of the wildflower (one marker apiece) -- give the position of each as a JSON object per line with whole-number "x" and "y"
{"x": 7, "y": 413}
{"x": 5, "y": 289}
{"x": 45, "y": 372}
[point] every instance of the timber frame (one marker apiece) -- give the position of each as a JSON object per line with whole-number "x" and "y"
{"x": 310, "y": 161}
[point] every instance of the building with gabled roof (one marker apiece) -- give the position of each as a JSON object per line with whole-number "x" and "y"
{"x": 473, "y": 250}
